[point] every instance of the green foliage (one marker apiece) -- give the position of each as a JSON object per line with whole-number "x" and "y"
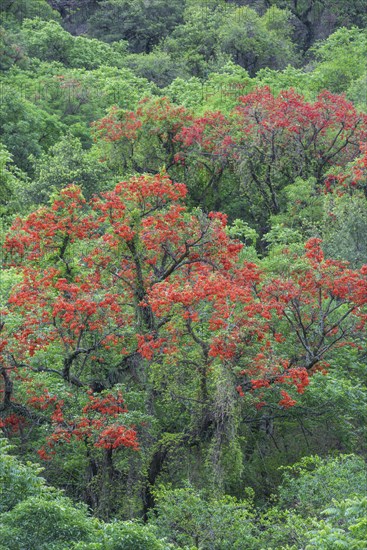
{"x": 15, "y": 11}
{"x": 48, "y": 41}
{"x": 12, "y": 181}
{"x": 157, "y": 66}
{"x": 26, "y": 129}
{"x": 125, "y": 536}
{"x": 187, "y": 92}
{"x": 187, "y": 519}
{"x": 42, "y": 524}
{"x": 316, "y": 19}
{"x": 37, "y": 517}
{"x": 341, "y": 59}
{"x": 241, "y": 230}
{"x": 311, "y": 484}
{"x": 65, "y": 163}
{"x": 345, "y": 228}
{"x": 340, "y": 398}
{"x": 11, "y": 53}
{"x": 215, "y": 33}
{"x": 220, "y": 91}
{"x": 357, "y": 92}
{"x": 302, "y": 214}
{"x": 345, "y": 526}
{"x": 196, "y": 42}
{"x": 255, "y": 42}
{"x": 18, "y": 481}
{"x": 142, "y": 24}
{"x": 90, "y": 53}
{"x": 305, "y": 83}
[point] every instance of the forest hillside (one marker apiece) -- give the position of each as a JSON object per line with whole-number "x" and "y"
{"x": 183, "y": 286}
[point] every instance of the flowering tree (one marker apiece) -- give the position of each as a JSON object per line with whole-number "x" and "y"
{"x": 133, "y": 286}
{"x": 254, "y": 152}
{"x": 281, "y": 138}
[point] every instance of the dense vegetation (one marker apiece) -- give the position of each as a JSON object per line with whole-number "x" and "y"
{"x": 183, "y": 203}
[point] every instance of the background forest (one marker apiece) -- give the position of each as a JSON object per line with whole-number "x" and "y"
{"x": 183, "y": 204}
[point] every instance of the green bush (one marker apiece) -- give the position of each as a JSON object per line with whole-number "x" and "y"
{"x": 311, "y": 484}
